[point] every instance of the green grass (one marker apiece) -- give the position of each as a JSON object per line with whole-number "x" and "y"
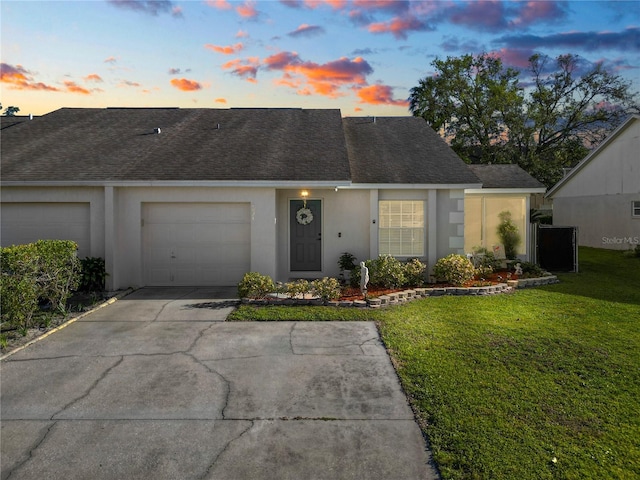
{"x": 541, "y": 383}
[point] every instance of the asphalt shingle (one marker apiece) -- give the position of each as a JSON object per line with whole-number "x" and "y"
{"x": 504, "y": 176}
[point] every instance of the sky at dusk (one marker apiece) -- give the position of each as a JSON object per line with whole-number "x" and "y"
{"x": 362, "y": 57}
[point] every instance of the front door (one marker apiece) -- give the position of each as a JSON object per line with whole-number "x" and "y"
{"x": 306, "y": 235}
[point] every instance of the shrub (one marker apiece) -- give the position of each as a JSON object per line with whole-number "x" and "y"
{"x": 509, "y": 235}
{"x": 299, "y": 287}
{"x": 531, "y": 270}
{"x": 326, "y": 288}
{"x": 483, "y": 257}
{"x": 387, "y": 272}
{"x": 255, "y": 285}
{"x": 414, "y": 273}
{"x": 93, "y": 274}
{"x": 46, "y": 270}
{"x": 454, "y": 269}
{"x": 347, "y": 261}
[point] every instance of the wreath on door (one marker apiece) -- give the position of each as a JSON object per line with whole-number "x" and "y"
{"x": 304, "y": 216}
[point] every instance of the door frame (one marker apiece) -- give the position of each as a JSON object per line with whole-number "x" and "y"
{"x": 302, "y": 273}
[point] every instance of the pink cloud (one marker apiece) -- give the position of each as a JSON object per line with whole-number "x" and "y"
{"x": 379, "y": 95}
{"x": 220, "y": 100}
{"x": 219, "y": 4}
{"x": 128, "y": 83}
{"x": 399, "y": 26}
{"x": 536, "y": 11}
{"x": 93, "y": 77}
{"x": 514, "y": 57}
{"x": 324, "y": 79}
{"x": 185, "y": 84}
{"x": 19, "y": 78}
{"x": 247, "y": 10}
{"x": 227, "y": 50}
{"x": 111, "y": 60}
{"x": 75, "y": 88}
{"x": 247, "y": 68}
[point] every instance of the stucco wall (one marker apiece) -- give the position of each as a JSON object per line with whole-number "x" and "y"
{"x": 450, "y": 222}
{"x": 345, "y": 228}
{"x": 603, "y": 221}
{"x": 94, "y": 196}
{"x": 614, "y": 170}
{"x": 127, "y": 251}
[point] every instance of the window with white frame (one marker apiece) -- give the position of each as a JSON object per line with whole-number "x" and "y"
{"x": 401, "y": 231}
{"x": 635, "y": 208}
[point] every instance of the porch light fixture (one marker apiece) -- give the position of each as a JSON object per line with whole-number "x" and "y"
{"x": 304, "y": 194}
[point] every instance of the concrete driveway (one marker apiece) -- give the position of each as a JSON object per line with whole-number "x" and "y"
{"x": 158, "y": 386}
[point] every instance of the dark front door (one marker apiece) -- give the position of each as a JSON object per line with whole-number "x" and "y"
{"x": 306, "y": 236}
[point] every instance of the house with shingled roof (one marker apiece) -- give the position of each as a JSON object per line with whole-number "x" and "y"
{"x": 198, "y": 197}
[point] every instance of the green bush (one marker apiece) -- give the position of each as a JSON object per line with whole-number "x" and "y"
{"x": 255, "y": 285}
{"x": 414, "y": 273}
{"x": 389, "y": 272}
{"x": 93, "y": 274}
{"x": 326, "y": 288}
{"x": 299, "y": 287}
{"x": 454, "y": 269}
{"x": 531, "y": 270}
{"x": 18, "y": 299}
{"x": 509, "y": 235}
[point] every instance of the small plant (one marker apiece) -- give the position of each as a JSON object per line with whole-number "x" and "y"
{"x": 326, "y": 288}
{"x": 255, "y": 285}
{"x": 298, "y": 288}
{"x": 414, "y": 273}
{"x": 531, "y": 270}
{"x": 347, "y": 261}
{"x": 454, "y": 269}
{"x": 4, "y": 341}
{"x": 93, "y": 274}
{"x": 386, "y": 271}
{"x": 509, "y": 235}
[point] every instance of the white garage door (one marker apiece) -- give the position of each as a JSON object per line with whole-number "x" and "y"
{"x": 196, "y": 244}
{"x": 28, "y": 222}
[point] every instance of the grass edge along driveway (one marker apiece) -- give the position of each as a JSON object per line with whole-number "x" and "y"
{"x": 541, "y": 383}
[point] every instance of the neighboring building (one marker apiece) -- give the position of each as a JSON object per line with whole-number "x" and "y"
{"x": 201, "y": 196}
{"x": 601, "y": 195}
{"x": 504, "y": 188}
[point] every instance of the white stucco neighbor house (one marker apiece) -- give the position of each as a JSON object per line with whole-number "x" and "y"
{"x": 601, "y": 195}
{"x": 198, "y": 197}
{"x": 504, "y": 188}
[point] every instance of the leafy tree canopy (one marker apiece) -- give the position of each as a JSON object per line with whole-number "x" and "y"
{"x": 10, "y": 111}
{"x": 545, "y": 123}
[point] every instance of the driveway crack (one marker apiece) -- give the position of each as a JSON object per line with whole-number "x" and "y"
{"x": 91, "y": 387}
{"x": 225, "y": 448}
{"x": 226, "y": 382}
{"x": 32, "y": 450}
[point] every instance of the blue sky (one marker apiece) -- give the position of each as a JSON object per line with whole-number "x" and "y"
{"x": 362, "y": 57}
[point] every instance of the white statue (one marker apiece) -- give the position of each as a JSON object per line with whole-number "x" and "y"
{"x": 518, "y": 269}
{"x": 364, "y": 278}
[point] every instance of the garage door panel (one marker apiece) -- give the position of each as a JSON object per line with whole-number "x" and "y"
{"x": 28, "y": 222}
{"x": 196, "y": 243}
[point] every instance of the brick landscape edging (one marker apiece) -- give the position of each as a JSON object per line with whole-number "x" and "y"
{"x": 397, "y": 298}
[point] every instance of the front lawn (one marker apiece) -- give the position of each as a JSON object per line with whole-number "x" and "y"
{"x": 541, "y": 383}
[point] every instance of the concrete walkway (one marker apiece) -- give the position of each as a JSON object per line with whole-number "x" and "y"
{"x": 158, "y": 386}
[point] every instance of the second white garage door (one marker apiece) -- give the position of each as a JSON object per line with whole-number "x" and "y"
{"x": 196, "y": 244}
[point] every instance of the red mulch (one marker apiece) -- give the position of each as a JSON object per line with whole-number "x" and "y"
{"x": 351, "y": 293}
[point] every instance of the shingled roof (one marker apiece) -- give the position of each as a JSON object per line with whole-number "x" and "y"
{"x": 504, "y": 176}
{"x": 193, "y": 144}
{"x": 252, "y": 145}
{"x": 401, "y": 150}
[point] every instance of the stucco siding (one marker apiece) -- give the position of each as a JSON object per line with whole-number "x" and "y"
{"x": 92, "y": 196}
{"x": 450, "y": 222}
{"x": 127, "y": 263}
{"x": 603, "y": 221}
{"x": 345, "y": 228}
{"x": 614, "y": 170}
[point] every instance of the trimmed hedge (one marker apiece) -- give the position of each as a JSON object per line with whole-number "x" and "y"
{"x": 47, "y": 270}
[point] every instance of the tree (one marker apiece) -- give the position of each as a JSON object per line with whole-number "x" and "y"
{"x": 10, "y": 111}
{"x": 471, "y": 101}
{"x": 550, "y": 126}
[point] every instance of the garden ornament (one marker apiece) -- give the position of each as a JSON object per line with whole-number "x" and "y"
{"x": 364, "y": 278}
